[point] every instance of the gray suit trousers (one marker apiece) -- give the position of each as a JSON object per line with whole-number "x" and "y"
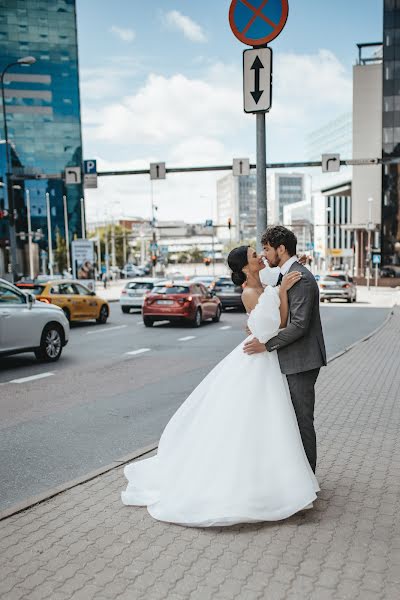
{"x": 302, "y": 391}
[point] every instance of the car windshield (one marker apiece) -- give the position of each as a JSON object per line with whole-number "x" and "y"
{"x": 333, "y": 278}
{"x": 224, "y": 285}
{"x": 133, "y": 285}
{"x": 33, "y": 289}
{"x": 173, "y": 289}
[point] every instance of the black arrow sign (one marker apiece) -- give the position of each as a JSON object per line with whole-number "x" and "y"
{"x": 256, "y": 66}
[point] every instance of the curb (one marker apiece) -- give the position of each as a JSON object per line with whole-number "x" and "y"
{"x": 51, "y": 493}
{"x": 35, "y": 500}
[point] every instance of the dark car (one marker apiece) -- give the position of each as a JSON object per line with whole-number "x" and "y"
{"x": 181, "y": 301}
{"x": 229, "y": 293}
{"x": 389, "y": 272}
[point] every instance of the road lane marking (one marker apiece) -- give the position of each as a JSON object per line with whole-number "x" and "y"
{"x": 140, "y": 351}
{"x": 31, "y": 378}
{"x": 106, "y": 329}
{"x": 140, "y": 323}
{"x": 226, "y": 327}
{"x": 185, "y": 339}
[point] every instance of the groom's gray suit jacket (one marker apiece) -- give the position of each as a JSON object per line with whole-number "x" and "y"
{"x": 300, "y": 344}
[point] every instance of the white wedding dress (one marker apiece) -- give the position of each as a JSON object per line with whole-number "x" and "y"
{"x": 232, "y": 453}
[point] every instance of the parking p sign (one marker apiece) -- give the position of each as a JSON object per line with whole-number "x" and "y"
{"x": 90, "y": 173}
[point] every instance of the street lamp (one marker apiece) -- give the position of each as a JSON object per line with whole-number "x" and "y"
{"x": 26, "y": 60}
{"x": 370, "y": 228}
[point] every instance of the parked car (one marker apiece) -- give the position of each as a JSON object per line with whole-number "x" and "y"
{"x": 207, "y": 280}
{"x": 181, "y": 300}
{"x": 133, "y": 294}
{"x": 390, "y": 271}
{"x": 30, "y": 326}
{"x": 76, "y": 300}
{"x": 229, "y": 293}
{"x": 337, "y": 285}
{"x": 131, "y": 270}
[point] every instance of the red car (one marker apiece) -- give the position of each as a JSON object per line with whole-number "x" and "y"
{"x": 181, "y": 300}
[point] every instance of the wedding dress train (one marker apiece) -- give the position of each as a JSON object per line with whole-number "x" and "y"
{"x": 232, "y": 453}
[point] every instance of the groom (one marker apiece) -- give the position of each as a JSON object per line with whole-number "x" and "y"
{"x": 300, "y": 345}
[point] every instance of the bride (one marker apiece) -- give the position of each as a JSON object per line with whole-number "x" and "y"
{"x": 232, "y": 453}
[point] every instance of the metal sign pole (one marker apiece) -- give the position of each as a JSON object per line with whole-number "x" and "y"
{"x": 28, "y": 208}
{"x": 261, "y": 179}
{"x": 66, "y": 233}
{"x": 49, "y": 236}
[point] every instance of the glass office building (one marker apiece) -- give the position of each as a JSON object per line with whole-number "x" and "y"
{"x": 43, "y": 118}
{"x": 391, "y": 133}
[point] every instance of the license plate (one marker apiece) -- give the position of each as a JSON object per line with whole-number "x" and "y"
{"x": 134, "y": 293}
{"x": 165, "y": 301}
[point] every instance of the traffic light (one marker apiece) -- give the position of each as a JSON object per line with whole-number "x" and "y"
{"x": 207, "y": 261}
{"x": 229, "y": 223}
{"x": 154, "y": 260}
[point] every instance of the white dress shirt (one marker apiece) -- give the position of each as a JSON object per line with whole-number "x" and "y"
{"x": 286, "y": 266}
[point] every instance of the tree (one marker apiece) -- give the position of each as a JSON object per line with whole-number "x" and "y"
{"x": 196, "y": 255}
{"x": 60, "y": 253}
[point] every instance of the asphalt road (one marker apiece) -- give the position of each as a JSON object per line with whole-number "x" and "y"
{"x": 114, "y": 390}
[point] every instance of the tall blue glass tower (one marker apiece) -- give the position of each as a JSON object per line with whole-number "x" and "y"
{"x": 43, "y": 119}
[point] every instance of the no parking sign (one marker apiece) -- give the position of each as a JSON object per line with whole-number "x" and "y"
{"x": 257, "y": 22}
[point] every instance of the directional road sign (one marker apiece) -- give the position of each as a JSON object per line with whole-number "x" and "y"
{"x": 157, "y": 170}
{"x": 257, "y": 80}
{"x": 257, "y": 22}
{"x": 330, "y": 163}
{"x": 376, "y": 259}
{"x": 241, "y": 166}
{"x": 90, "y": 173}
{"x": 73, "y": 175}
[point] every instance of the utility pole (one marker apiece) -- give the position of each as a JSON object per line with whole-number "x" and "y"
{"x": 113, "y": 263}
{"x": 49, "y": 235}
{"x": 66, "y": 227}
{"x": 28, "y": 210}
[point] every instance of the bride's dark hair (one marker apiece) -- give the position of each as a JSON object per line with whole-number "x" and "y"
{"x": 237, "y": 259}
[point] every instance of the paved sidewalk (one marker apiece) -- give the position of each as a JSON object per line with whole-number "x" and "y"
{"x": 85, "y": 544}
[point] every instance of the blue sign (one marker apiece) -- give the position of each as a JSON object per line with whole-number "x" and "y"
{"x": 89, "y": 167}
{"x": 376, "y": 259}
{"x": 257, "y": 22}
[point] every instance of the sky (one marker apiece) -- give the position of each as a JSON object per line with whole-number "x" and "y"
{"x": 161, "y": 81}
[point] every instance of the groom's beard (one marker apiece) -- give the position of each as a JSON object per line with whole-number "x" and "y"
{"x": 275, "y": 262}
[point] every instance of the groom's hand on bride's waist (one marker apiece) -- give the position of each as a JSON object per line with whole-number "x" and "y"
{"x": 254, "y": 347}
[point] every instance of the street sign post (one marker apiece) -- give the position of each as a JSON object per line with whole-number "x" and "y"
{"x": 90, "y": 173}
{"x": 241, "y": 167}
{"x": 257, "y": 80}
{"x": 256, "y": 23}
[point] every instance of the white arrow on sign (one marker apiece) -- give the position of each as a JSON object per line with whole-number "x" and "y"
{"x": 330, "y": 163}
{"x": 241, "y": 166}
{"x": 257, "y": 80}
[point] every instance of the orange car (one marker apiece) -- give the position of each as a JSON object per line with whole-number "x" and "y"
{"x": 76, "y": 300}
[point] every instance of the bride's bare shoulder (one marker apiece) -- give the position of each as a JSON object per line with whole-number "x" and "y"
{"x": 250, "y": 298}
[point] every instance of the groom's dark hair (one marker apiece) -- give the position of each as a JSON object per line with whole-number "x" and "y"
{"x": 277, "y": 235}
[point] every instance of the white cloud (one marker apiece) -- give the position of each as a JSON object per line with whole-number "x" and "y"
{"x": 186, "y": 25}
{"x": 126, "y": 35}
{"x": 200, "y": 121}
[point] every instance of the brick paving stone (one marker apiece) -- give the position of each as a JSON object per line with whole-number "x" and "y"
{"x": 85, "y": 545}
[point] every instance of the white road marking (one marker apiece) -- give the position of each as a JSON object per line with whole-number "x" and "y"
{"x": 106, "y": 329}
{"x": 185, "y": 339}
{"x": 140, "y": 323}
{"x": 226, "y": 327}
{"x": 140, "y": 351}
{"x": 31, "y": 378}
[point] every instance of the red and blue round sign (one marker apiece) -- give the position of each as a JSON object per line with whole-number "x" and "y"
{"x": 257, "y": 22}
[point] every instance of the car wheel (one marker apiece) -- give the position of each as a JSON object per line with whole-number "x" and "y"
{"x": 148, "y": 321}
{"x": 126, "y": 309}
{"x": 349, "y": 300}
{"x": 51, "y": 344}
{"x": 103, "y": 315}
{"x": 197, "y": 318}
{"x": 217, "y": 315}
{"x": 322, "y": 299}
{"x": 67, "y": 314}
{"x": 355, "y": 299}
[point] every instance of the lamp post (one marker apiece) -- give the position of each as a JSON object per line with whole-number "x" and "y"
{"x": 370, "y": 228}
{"x": 26, "y": 60}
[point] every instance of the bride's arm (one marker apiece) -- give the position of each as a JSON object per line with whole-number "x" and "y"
{"x": 288, "y": 282}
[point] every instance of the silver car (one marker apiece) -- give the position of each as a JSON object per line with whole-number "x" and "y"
{"x": 133, "y": 294}
{"x": 27, "y": 325}
{"x": 337, "y": 284}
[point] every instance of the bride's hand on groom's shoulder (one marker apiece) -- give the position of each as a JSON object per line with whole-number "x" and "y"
{"x": 289, "y": 280}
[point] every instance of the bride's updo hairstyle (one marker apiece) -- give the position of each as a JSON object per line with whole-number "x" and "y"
{"x": 237, "y": 259}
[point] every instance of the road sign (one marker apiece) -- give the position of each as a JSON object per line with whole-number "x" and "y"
{"x": 208, "y": 223}
{"x": 241, "y": 166}
{"x": 153, "y": 246}
{"x": 157, "y": 170}
{"x": 330, "y": 163}
{"x": 257, "y": 80}
{"x": 73, "y": 175}
{"x": 90, "y": 173}
{"x": 257, "y": 22}
{"x": 376, "y": 259}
